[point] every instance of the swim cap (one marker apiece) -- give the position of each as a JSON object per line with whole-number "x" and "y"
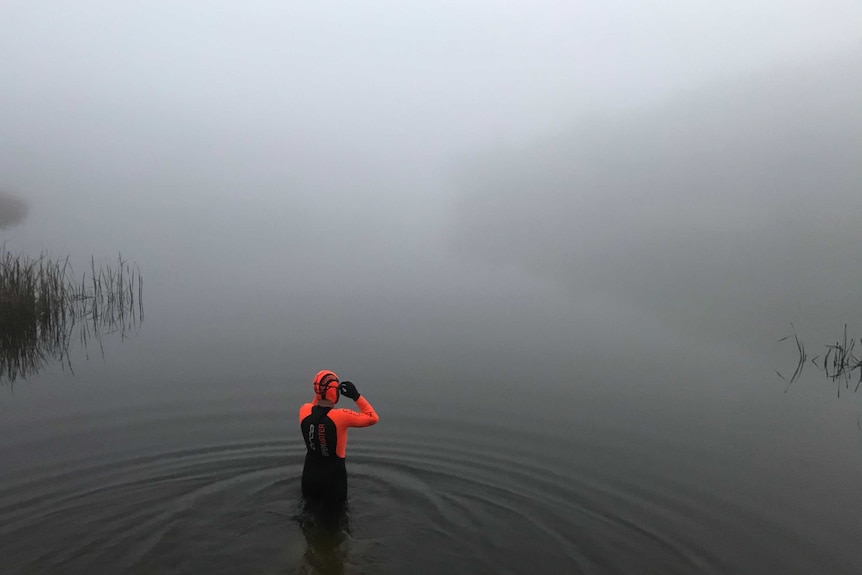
{"x": 326, "y": 385}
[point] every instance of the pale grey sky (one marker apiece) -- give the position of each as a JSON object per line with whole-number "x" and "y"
{"x": 434, "y": 77}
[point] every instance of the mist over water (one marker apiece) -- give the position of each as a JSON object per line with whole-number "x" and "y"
{"x": 724, "y": 212}
{"x": 553, "y": 246}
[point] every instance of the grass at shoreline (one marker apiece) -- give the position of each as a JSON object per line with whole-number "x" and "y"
{"x": 43, "y": 306}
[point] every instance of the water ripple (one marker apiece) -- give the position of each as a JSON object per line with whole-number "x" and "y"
{"x": 422, "y": 500}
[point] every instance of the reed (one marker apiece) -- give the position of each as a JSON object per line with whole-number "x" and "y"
{"x": 43, "y": 306}
{"x": 839, "y": 364}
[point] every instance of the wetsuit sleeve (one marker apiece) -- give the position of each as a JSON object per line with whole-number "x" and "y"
{"x": 346, "y": 418}
{"x": 366, "y": 417}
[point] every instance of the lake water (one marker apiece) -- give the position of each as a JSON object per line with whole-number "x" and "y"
{"x": 512, "y": 438}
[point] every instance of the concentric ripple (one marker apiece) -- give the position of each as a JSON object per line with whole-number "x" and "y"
{"x": 426, "y": 497}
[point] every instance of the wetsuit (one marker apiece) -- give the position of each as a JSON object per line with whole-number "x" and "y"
{"x": 324, "y": 476}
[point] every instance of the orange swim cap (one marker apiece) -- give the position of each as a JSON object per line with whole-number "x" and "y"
{"x": 326, "y": 385}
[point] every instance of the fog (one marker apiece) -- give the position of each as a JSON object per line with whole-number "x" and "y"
{"x": 554, "y": 243}
{"x": 380, "y": 180}
{"x": 727, "y": 212}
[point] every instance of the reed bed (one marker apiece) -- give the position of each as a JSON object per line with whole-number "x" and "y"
{"x": 839, "y": 363}
{"x": 43, "y": 306}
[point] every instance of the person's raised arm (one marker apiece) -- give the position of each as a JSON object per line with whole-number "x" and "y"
{"x": 367, "y": 416}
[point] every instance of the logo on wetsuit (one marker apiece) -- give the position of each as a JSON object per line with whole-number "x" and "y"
{"x": 321, "y": 438}
{"x": 311, "y": 437}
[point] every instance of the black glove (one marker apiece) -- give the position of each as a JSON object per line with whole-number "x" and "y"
{"x": 347, "y": 389}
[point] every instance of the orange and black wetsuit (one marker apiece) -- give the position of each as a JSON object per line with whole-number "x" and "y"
{"x": 324, "y": 476}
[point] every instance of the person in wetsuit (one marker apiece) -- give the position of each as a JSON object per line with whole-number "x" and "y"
{"x": 324, "y": 429}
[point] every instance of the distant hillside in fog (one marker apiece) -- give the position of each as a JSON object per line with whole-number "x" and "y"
{"x": 12, "y": 210}
{"x": 731, "y": 209}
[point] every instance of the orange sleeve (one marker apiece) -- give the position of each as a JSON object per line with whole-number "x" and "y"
{"x": 346, "y": 418}
{"x": 364, "y": 419}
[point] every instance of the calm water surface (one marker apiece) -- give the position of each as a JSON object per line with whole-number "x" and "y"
{"x": 136, "y": 465}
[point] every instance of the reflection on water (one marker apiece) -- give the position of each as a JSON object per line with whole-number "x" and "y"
{"x": 186, "y": 486}
{"x": 838, "y": 363}
{"x": 325, "y": 534}
{"x": 43, "y": 307}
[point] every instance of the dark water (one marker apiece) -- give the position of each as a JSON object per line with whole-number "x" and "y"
{"x": 137, "y": 466}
